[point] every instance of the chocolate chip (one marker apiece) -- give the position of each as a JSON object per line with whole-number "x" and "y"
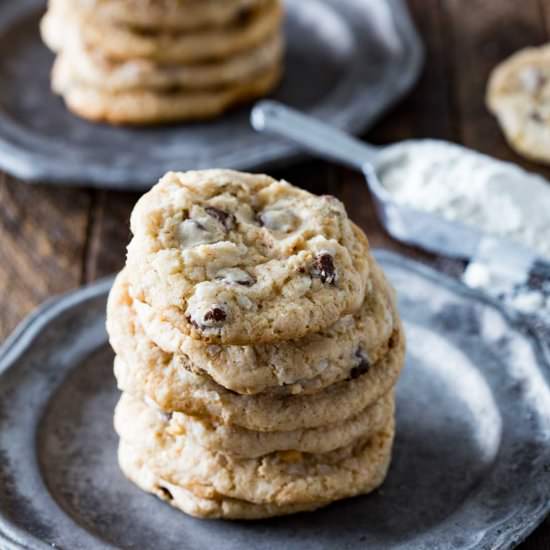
{"x": 167, "y": 416}
{"x": 363, "y": 366}
{"x": 243, "y": 16}
{"x": 166, "y": 493}
{"x": 359, "y": 370}
{"x": 192, "y": 322}
{"x": 215, "y": 315}
{"x": 248, "y": 282}
{"x": 540, "y": 81}
{"x": 323, "y": 268}
{"x": 536, "y": 117}
{"x": 227, "y": 220}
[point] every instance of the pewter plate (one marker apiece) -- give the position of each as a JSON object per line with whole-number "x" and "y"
{"x": 470, "y": 468}
{"x": 347, "y": 62}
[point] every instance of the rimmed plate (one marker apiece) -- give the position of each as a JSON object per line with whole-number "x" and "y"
{"x": 471, "y": 461}
{"x": 347, "y": 62}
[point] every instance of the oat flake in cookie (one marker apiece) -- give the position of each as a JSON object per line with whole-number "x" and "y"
{"x": 237, "y": 258}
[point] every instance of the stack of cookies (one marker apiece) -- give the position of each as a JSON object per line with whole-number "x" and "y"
{"x": 258, "y": 346}
{"x": 153, "y": 61}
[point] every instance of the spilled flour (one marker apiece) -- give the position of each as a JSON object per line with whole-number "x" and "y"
{"x": 495, "y": 197}
{"x": 464, "y": 186}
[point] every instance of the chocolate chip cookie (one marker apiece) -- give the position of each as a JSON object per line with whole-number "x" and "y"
{"x": 234, "y": 258}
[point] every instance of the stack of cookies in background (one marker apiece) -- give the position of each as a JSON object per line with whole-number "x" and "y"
{"x": 149, "y": 61}
{"x": 257, "y": 347}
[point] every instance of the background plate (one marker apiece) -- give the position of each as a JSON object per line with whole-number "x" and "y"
{"x": 471, "y": 461}
{"x": 347, "y": 61}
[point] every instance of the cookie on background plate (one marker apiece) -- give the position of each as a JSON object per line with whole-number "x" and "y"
{"x": 174, "y": 15}
{"x": 518, "y": 94}
{"x": 88, "y": 67}
{"x": 234, "y": 258}
{"x": 64, "y": 26}
{"x": 142, "y": 106}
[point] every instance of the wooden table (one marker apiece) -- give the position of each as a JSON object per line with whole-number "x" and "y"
{"x": 56, "y": 239}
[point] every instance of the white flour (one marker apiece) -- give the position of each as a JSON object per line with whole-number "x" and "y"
{"x": 462, "y": 185}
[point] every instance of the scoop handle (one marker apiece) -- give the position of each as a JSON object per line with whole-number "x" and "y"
{"x": 326, "y": 141}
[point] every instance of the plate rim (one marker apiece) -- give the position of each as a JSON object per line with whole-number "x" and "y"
{"x": 23, "y": 161}
{"x": 21, "y": 339}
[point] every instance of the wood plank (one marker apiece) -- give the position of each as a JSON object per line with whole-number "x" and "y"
{"x": 426, "y": 112}
{"x": 544, "y": 6}
{"x": 109, "y": 233}
{"x": 42, "y": 240}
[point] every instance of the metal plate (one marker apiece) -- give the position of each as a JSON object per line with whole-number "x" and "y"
{"x": 471, "y": 461}
{"x": 347, "y": 62}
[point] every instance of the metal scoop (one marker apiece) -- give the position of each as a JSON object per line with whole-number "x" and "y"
{"x": 505, "y": 264}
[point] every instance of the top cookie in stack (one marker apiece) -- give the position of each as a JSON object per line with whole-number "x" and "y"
{"x": 258, "y": 345}
{"x": 277, "y": 263}
{"x": 154, "y": 61}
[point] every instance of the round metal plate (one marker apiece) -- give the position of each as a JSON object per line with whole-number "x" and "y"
{"x": 347, "y": 62}
{"x": 471, "y": 461}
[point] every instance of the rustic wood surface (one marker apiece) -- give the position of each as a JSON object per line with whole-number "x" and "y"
{"x": 56, "y": 239}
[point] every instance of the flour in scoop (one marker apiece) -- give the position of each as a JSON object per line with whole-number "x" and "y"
{"x": 464, "y": 186}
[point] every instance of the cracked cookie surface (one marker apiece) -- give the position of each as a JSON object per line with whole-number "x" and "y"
{"x": 234, "y": 258}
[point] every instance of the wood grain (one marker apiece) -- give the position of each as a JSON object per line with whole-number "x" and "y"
{"x": 42, "y": 237}
{"x": 109, "y": 233}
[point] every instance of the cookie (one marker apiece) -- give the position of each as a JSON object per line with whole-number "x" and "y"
{"x": 140, "y": 107}
{"x": 133, "y": 465}
{"x": 90, "y": 68}
{"x": 172, "y": 15}
{"x": 234, "y": 258}
{"x": 145, "y": 371}
{"x": 518, "y": 94}
{"x": 243, "y": 443}
{"x": 281, "y": 478}
{"x": 294, "y": 367}
{"x": 120, "y": 42}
